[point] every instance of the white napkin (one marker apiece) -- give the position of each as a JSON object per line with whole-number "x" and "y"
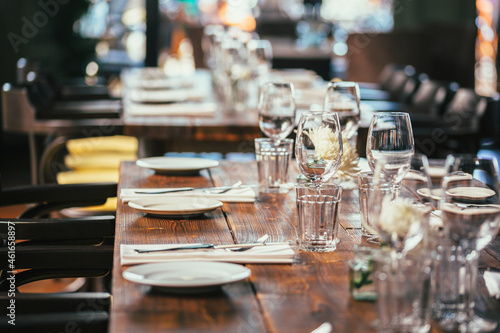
{"x": 166, "y": 96}
{"x": 159, "y": 82}
{"x": 172, "y": 109}
{"x": 269, "y": 254}
{"x": 492, "y": 281}
{"x": 235, "y": 195}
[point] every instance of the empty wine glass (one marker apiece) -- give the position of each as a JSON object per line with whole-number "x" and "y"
{"x": 470, "y": 205}
{"x": 401, "y": 221}
{"x": 277, "y": 110}
{"x": 318, "y": 148}
{"x": 391, "y": 136}
{"x": 343, "y": 97}
{"x": 260, "y": 55}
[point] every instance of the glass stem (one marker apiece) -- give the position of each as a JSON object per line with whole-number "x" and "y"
{"x": 395, "y": 190}
{"x": 318, "y": 187}
{"x": 468, "y": 280}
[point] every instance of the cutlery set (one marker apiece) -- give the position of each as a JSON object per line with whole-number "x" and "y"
{"x": 209, "y": 190}
{"x": 230, "y": 247}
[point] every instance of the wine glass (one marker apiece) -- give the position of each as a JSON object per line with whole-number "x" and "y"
{"x": 277, "y": 110}
{"x": 390, "y": 135}
{"x": 260, "y": 55}
{"x": 401, "y": 218}
{"x": 318, "y": 148}
{"x": 343, "y": 97}
{"x": 470, "y": 205}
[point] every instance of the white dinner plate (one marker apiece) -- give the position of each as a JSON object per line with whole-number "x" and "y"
{"x": 471, "y": 192}
{"x": 176, "y": 164}
{"x": 187, "y": 276}
{"x": 434, "y": 194}
{"x": 175, "y": 206}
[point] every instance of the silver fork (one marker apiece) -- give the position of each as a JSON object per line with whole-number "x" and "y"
{"x": 235, "y": 185}
{"x": 261, "y": 240}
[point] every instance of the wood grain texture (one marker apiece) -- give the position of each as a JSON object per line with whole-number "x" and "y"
{"x": 276, "y": 298}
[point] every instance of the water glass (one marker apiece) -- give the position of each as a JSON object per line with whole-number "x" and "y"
{"x": 318, "y": 216}
{"x": 450, "y": 285}
{"x": 273, "y": 160}
{"x": 453, "y": 288}
{"x": 403, "y": 289}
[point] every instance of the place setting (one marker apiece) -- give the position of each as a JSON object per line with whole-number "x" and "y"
{"x": 181, "y": 202}
{"x": 198, "y": 268}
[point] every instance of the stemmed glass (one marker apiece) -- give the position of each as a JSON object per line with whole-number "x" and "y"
{"x": 343, "y": 97}
{"x": 277, "y": 110}
{"x": 390, "y": 136}
{"x": 470, "y": 206}
{"x": 318, "y": 148}
{"x": 401, "y": 220}
{"x": 260, "y": 55}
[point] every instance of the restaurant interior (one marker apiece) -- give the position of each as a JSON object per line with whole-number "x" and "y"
{"x": 95, "y": 92}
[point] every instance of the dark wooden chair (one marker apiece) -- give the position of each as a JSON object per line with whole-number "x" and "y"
{"x": 79, "y": 312}
{"x": 32, "y": 110}
{"x": 38, "y": 248}
{"x": 457, "y": 130}
{"x": 28, "y": 71}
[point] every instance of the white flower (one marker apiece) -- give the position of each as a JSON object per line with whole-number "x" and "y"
{"x": 327, "y": 147}
{"x": 397, "y": 216}
{"x": 326, "y": 143}
{"x": 349, "y": 166}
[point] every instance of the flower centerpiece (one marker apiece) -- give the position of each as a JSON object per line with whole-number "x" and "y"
{"x": 401, "y": 219}
{"x": 327, "y": 148}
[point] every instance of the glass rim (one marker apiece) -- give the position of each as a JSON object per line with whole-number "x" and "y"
{"x": 280, "y": 84}
{"x": 313, "y": 185}
{"x": 287, "y": 140}
{"x": 343, "y": 83}
{"x": 392, "y": 113}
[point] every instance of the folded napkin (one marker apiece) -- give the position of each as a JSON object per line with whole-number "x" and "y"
{"x": 171, "y": 109}
{"x": 492, "y": 281}
{"x": 166, "y": 96}
{"x": 159, "y": 82}
{"x": 269, "y": 254}
{"x": 234, "y": 195}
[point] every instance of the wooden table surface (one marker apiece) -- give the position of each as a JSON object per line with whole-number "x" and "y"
{"x": 294, "y": 297}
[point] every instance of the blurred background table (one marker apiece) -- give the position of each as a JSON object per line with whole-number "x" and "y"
{"x": 226, "y": 130}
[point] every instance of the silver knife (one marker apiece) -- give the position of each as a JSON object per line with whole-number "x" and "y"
{"x": 183, "y": 189}
{"x": 208, "y": 246}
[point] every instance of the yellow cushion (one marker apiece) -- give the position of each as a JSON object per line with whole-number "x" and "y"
{"x": 88, "y": 176}
{"x": 116, "y": 143}
{"x": 109, "y": 206}
{"x": 97, "y": 160}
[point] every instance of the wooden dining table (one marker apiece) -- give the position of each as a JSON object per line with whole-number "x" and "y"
{"x": 295, "y": 297}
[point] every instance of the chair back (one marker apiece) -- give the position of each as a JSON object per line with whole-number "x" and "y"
{"x": 431, "y": 97}
{"x": 465, "y": 110}
{"x": 387, "y": 74}
{"x": 401, "y": 84}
